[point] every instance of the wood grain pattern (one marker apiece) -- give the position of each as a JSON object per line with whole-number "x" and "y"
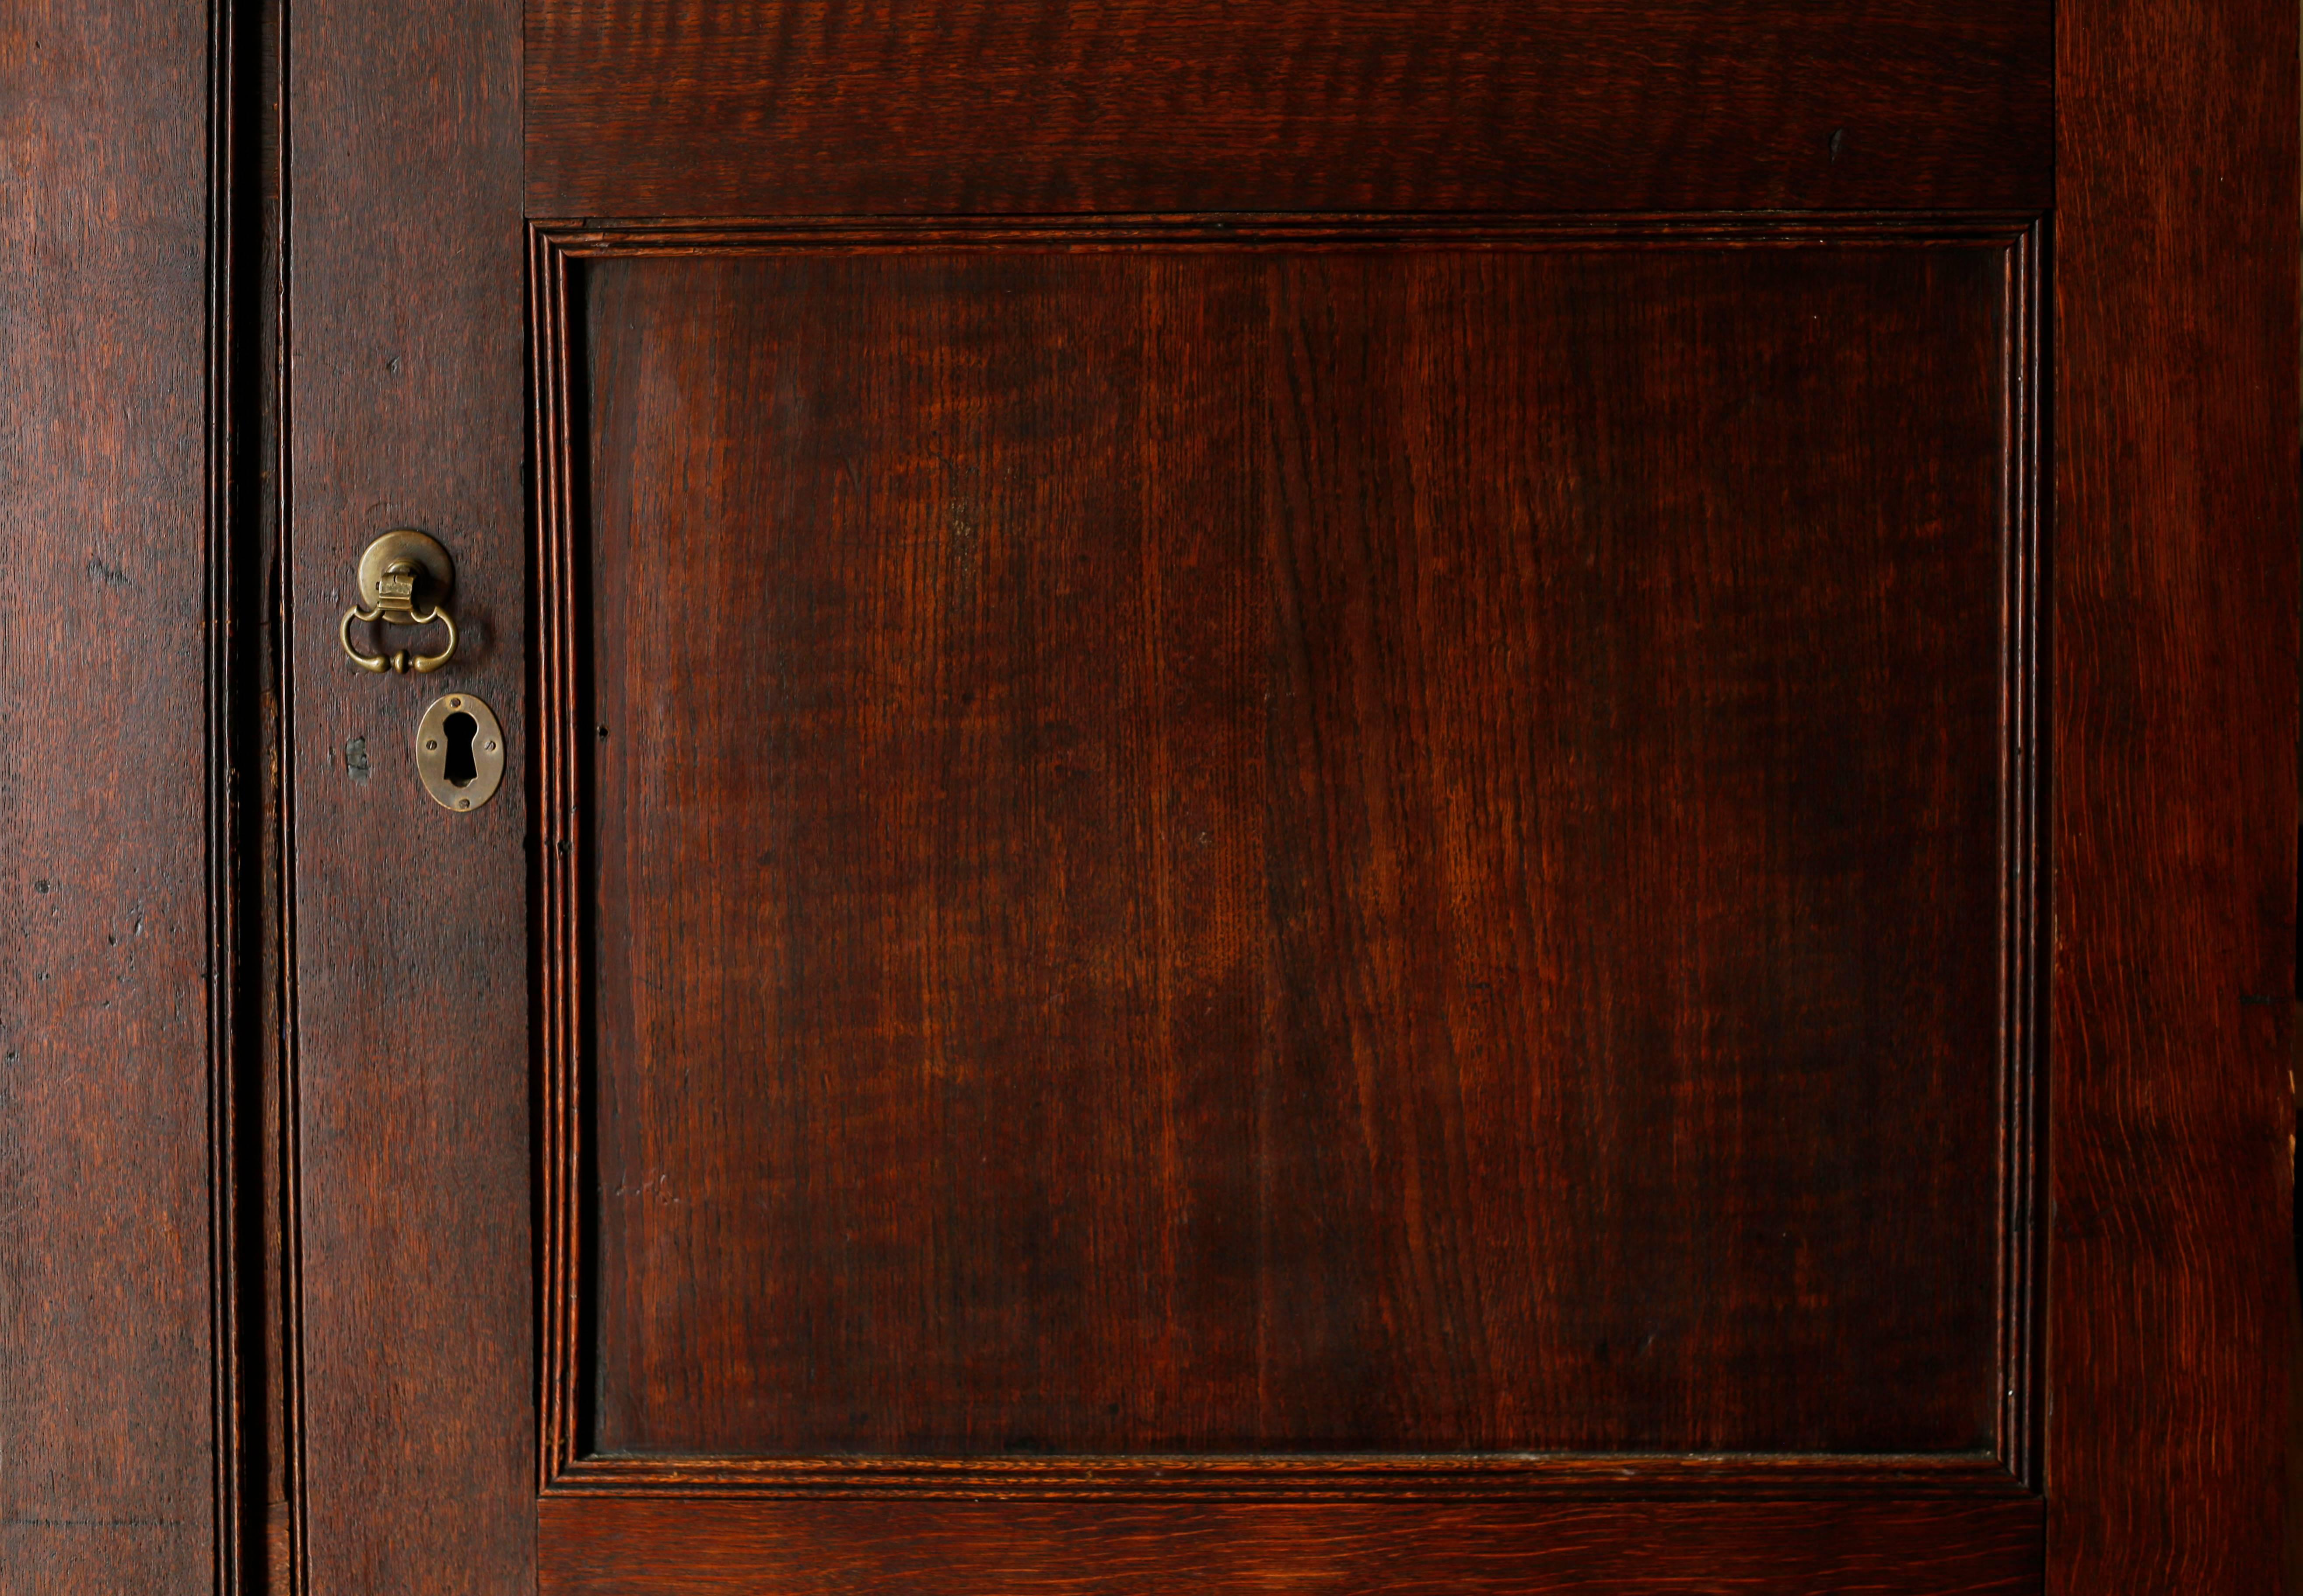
{"x": 606, "y": 1548}
{"x": 2175, "y": 817}
{"x": 725, "y": 107}
{"x": 913, "y": 638}
{"x": 2173, "y": 731}
{"x": 408, "y": 929}
{"x": 117, "y": 1422}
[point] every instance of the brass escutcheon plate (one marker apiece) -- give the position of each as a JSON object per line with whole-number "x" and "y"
{"x": 437, "y": 764}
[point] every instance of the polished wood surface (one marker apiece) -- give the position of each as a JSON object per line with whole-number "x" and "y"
{"x": 608, "y": 1547}
{"x": 1342, "y": 849}
{"x": 2174, "y": 831}
{"x": 1274, "y": 513}
{"x": 728, "y": 107}
{"x": 117, "y": 1407}
{"x": 412, "y": 1387}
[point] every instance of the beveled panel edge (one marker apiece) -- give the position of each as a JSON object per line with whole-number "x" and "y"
{"x": 2025, "y": 923}
{"x": 555, "y": 899}
{"x": 595, "y": 237}
{"x": 1346, "y": 1477}
{"x": 558, "y": 999}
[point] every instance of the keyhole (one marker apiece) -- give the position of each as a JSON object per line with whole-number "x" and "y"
{"x": 458, "y": 729}
{"x": 464, "y": 775}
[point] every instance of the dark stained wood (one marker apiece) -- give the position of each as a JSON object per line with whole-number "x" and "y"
{"x": 1321, "y": 694}
{"x": 409, "y": 925}
{"x": 117, "y": 1422}
{"x": 1300, "y": 850}
{"x": 608, "y": 1548}
{"x": 2174, "y": 821}
{"x": 731, "y": 107}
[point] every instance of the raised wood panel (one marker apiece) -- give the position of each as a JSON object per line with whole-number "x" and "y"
{"x": 731, "y": 107}
{"x": 1326, "y": 847}
{"x": 597, "y": 1547}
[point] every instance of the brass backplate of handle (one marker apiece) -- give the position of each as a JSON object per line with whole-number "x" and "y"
{"x": 404, "y": 579}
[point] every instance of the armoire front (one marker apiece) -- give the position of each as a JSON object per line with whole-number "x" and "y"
{"x": 993, "y": 797}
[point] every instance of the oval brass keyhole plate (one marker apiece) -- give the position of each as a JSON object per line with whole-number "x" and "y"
{"x": 460, "y": 752}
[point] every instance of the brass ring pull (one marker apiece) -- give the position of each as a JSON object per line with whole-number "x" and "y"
{"x": 399, "y": 660}
{"x": 399, "y": 571}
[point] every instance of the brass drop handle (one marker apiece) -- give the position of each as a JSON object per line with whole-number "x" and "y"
{"x": 400, "y": 571}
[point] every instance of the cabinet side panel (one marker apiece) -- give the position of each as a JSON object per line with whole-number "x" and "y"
{"x": 108, "y": 1409}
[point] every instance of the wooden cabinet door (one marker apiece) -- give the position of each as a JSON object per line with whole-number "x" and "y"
{"x": 1331, "y": 797}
